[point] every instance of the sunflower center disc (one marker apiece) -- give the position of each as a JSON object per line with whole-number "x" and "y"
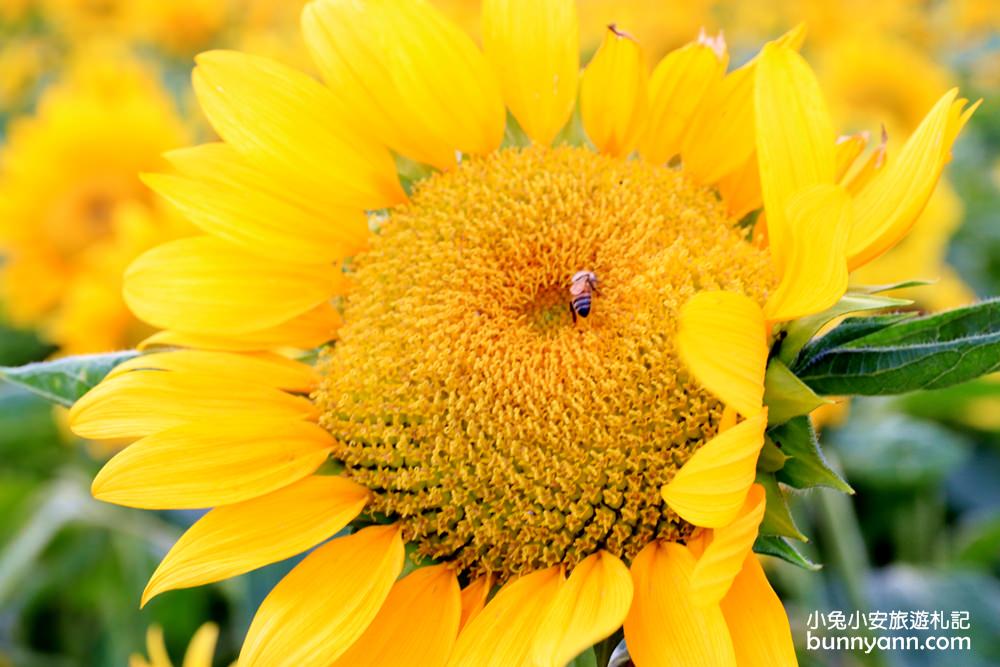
{"x": 502, "y": 435}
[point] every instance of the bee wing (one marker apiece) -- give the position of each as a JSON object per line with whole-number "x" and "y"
{"x": 577, "y": 288}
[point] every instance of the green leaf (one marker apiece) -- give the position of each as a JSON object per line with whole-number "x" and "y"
{"x": 786, "y": 396}
{"x": 850, "y": 329}
{"x": 779, "y": 547}
{"x": 806, "y": 467}
{"x": 801, "y": 331}
{"x": 778, "y": 519}
{"x": 924, "y": 353}
{"x": 63, "y": 381}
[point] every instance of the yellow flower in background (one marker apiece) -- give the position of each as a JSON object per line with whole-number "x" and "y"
{"x": 12, "y": 11}
{"x": 828, "y": 20}
{"x": 554, "y": 477}
{"x": 23, "y": 62}
{"x": 81, "y": 19}
{"x": 877, "y": 78}
{"x": 271, "y": 28}
{"x": 73, "y": 212}
{"x": 180, "y": 27}
{"x": 873, "y": 76}
{"x": 199, "y": 652}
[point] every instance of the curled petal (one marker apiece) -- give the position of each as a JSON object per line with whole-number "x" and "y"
{"x": 613, "y": 94}
{"x": 711, "y": 488}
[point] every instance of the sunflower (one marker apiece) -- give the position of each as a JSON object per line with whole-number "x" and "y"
{"x": 519, "y": 483}
{"x": 73, "y": 212}
{"x": 198, "y": 654}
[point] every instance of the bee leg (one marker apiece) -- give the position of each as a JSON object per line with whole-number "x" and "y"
{"x": 572, "y": 312}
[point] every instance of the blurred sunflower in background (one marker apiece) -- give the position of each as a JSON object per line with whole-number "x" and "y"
{"x": 199, "y": 652}
{"x": 540, "y": 479}
{"x": 874, "y": 76}
{"x": 73, "y": 212}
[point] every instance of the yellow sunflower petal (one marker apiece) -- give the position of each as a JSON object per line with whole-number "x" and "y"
{"x": 409, "y": 75}
{"x": 137, "y": 404}
{"x": 664, "y": 627}
{"x": 722, "y": 340}
{"x": 740, "y": 189}
{"x": 534, "y": 48}
{"x": 795, "y": 138}
{"x": 209, "y": 463}
{"x": 474, "y": 598}
{"x": 202, "y": 647}
{"x": 815, "y": 273}
{"x": 757, "y": 620}
{"x": 710, "y": 488}
{"x": 613, "y": 94}
{"x": 861, "y": 173}
{"x": 722, "y": 138}
{"x": 895, "y": 196}
{"x": 306, "y": 331}
{"x": 228, "y": 198}
{"x": 846, "y": 152}
{"x": 271, "y": 370}
{"x": 590, "y": 606}
{"x": 504, "y": 632}
{"x": 293, "y": 128}
{"x": 416, "y": 626}
{"x": 205, "y": 285}
{"x": 238, "y": 538}
{"x": 323, "y": 605}
{"x": 723, "y": 558}
{"x": 677, "y": 88}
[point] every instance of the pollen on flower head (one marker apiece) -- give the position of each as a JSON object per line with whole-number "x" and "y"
{"x": 503, "y": 436}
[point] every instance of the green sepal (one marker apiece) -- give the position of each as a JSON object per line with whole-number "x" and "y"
{"x": 771, "y": 459}
{"x": 799, "y": 332}
{"x": 413, "y": 560}
{"x": 922, "y": 353}
{"x": 586, "y": 659}
{"x": 778, "y": 519}
{"x": 412, "y": 172}
{"x": 806, "y": 466}
{"x": 890, "y": 287}
{"x": 786, "y": 396}
{"x": 780, "y": 548}
{"x": 64, "y": 381}
{"x": 312, "y": 357}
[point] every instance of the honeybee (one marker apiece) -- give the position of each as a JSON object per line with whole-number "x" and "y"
{"x": 581, "y": 291}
